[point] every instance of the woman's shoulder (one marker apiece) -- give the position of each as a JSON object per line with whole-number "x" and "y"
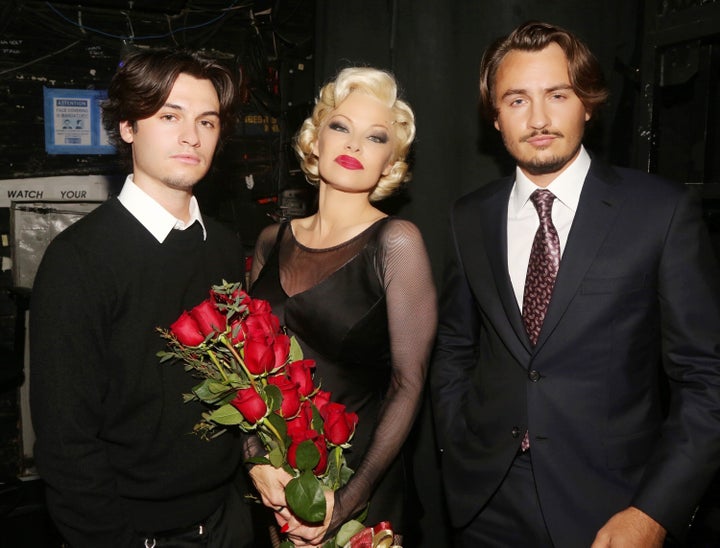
{"x": 395, "y": 227}
{"x": 269, "y": 234}
{"x": 396, "y": 234}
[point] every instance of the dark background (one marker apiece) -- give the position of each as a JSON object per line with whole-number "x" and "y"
{"x": 660, "y": 57}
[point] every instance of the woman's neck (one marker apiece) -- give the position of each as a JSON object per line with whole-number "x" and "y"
{"x": 339, "y": 218}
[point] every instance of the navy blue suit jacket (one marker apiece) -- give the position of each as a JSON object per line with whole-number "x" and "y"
{"x": 621, "y": 394}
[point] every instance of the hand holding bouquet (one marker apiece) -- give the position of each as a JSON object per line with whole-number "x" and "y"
{"x": 253, "y": 376}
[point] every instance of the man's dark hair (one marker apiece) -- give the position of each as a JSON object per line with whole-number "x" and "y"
{"x": 584, "y": 70}
{"x": 144, "y": 80}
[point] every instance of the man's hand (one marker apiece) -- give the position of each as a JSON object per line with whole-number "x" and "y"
{"x": 630, "y": 528}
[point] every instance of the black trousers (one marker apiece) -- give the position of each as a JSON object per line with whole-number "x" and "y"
{"x": 512, "y": 517}
{"x": 230, "y": 526}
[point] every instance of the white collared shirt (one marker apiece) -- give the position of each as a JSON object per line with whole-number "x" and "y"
{"x": 523, "y": 219}
{"x": 154, "y": 217}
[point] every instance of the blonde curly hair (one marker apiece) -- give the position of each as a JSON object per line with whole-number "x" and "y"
{"x": 376, "y": 83}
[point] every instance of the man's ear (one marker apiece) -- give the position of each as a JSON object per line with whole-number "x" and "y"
{"x": 495, "y": 123}
{"x": 127, "y": 133}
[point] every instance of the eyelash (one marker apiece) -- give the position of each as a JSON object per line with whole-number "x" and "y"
{"x": 337, "y": 126}
{"x": 206, "y": 123}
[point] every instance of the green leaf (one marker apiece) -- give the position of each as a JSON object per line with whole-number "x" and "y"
{"x": 280, "y": 426}
{"x": 227, "y": 415}
{"x": 230, "y": 396}
{"x": 345, "y": 473}
{"x": 165, "y": 356}
{"x": 331, "y": 478}
{"x": 210, "y": 391}
{"x": 296, "y": 352}
{"x": 257, "y": 460}
{"x": 286, "y": 544}
{"x": 237, "y": 381}
{"x": 338, "y": 472}
{"x": 306, "y": 498}
{"x": 273, "y": 397}
{"x": 276, "y": 457}
{"x": 307, "y": 456}
{"x": 347, "y": 531}
{"x": 317, "y": 422}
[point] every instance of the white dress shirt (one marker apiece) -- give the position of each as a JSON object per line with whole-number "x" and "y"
{"x": 154, "y": 217}
{"x": 523, "y": 219}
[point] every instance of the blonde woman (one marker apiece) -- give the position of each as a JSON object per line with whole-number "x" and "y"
{"x": 355, "y": 287}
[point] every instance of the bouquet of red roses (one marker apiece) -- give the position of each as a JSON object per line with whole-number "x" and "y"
{"x": 254, "y": 377}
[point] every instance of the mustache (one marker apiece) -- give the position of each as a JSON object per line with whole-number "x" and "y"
{"x": 543, "y": 132}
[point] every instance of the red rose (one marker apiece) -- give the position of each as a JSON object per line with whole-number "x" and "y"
{"x": 259, "y": 306}
{"x": 250, "y": 404}
{"x": 319, "y": 442}
{"x": 339, "y": 425}
{"x": 187, "y": 331}
{"x": 301, "y": 372}
{"x": 261, "y": 325}
{"x": 290, "y": 395}
{"x": 321, "y": 399}
{"x": 208, "y": 317}
{"x": 259, "y": 356}
{"x": 299, "y": 424}
{"x": 281, "y": 349}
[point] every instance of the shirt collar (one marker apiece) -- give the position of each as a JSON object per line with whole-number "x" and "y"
{"x": 566, "y": 187}
{"x": 154, "y": 217}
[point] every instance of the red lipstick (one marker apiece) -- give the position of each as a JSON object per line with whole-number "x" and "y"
{"x": 348, "y": 162}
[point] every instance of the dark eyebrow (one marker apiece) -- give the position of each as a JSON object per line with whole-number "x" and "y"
{"x": 560, "y": 87}
{"x": 521, "y": 91}
{"x": 202, "y": 114}
{"x": 514, "y": 92}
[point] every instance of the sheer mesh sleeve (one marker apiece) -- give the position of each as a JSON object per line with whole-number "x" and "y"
{"x": 404, "y": 268}
{"x": 263, "y": 245}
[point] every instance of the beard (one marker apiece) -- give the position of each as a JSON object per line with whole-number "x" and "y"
{"x": 547, "y": 165}
{"x": 537, "y": 166}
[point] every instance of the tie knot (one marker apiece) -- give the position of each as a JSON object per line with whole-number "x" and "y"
{"x": 542, "y": 199}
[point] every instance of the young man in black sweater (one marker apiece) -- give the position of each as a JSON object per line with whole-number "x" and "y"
{"x": 114, "y": 438}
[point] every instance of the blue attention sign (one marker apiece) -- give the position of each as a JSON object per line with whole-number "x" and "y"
{"x": 73, "y": 123}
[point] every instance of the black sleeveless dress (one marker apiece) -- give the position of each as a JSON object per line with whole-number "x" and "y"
{"x": 335, "y": 301}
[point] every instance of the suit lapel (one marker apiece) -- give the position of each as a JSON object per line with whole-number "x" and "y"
{"x": 494, "y": 230}
{"x": 598, "y": 206}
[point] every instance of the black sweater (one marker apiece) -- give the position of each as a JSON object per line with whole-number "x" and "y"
{"x": 114, "y": 442}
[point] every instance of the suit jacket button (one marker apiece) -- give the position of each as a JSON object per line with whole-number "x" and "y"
{"x": 515, "y": 432}
{"x": 533, "y": 375}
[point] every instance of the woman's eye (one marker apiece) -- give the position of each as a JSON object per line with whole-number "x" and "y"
{"x": 379, "y": 138}
{"x": 336, "y": 126}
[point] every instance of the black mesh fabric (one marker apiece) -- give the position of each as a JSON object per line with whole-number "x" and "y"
{"x": 365, "y": 311}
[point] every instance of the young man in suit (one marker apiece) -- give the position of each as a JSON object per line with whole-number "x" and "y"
{"x": 115, "y": 443}
{"x": 576, "y": 380}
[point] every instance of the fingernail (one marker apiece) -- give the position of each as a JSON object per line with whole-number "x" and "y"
{"x": 284, "y": 528}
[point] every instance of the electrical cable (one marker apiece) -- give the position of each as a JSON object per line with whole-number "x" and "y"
{"x": 146, "y": 37}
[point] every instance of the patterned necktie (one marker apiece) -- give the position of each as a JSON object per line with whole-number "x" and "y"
{"x": 541, "y": 273}
{"x": 542, "y": 267}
